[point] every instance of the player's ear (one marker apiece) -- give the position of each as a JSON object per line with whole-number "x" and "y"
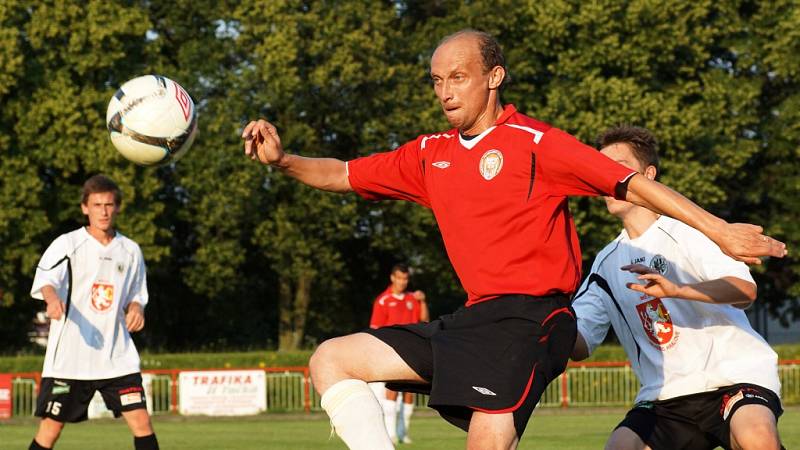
{"x": 650, "y": 172}
{"x": 496, "y": 77}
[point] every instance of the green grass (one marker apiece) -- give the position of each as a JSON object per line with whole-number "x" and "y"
{"x": 576, "y": 429}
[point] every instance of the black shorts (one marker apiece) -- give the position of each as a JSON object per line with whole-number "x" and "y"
{"x": 68, "y": 400}
{"x": 697, "y": 421}
{"x": 496, "y": 356}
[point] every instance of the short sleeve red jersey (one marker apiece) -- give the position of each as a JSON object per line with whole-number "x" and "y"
{"x": 395, "y": 309}
{"x": 500, "y": 200}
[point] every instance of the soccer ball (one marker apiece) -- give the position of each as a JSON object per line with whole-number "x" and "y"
{"x": 152, "y": 120}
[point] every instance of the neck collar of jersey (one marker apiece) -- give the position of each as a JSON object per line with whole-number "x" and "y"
{"x": 508, "y": 111}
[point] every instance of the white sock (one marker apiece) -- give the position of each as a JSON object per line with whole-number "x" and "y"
{"x": 390, "y": 417}
{"x": 408, "y": 409}
{"x": 356, "y": 415}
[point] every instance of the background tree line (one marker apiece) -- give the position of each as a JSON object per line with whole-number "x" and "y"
{"x": 239, "y": 256}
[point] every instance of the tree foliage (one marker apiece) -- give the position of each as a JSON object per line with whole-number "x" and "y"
{"x": 254, "y": 259}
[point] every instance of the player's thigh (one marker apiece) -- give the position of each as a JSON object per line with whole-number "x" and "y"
{"x": 122, "y": 394}
{"x": 138, "y": 421}
{"x": 492, "y": 431}
{"x": 623, "y": 438}
{"x": 360, "y": 356}
{"x": 754, "y": 427}
{"x": 64, "y": 400}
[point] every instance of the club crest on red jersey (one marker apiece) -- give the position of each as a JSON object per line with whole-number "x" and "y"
{"x": 656, "y": 321}
{"x": 491, "y": 164}
{"x": 102, "y": 296}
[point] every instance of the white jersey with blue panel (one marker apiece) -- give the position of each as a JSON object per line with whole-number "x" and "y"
{"x": 676, "y": 347}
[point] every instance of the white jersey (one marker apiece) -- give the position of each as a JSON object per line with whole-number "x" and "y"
{"x": 676, "y": 346}
{"x": 91, "y": 341}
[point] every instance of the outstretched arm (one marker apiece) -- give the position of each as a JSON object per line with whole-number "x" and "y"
{"x": 725, "y": 290}
{"x": 262, "y": 143}
{"x": 740, "y": 241}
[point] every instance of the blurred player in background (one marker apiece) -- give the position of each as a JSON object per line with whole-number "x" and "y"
{"x": 498, "y": 184}
{"x": 94, "y": 283}
{"x": 675, "y": 302}
{"x": 396, "y": 306}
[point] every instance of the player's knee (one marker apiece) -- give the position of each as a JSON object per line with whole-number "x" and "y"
{"x": 322, "y": 361}
{"x": 758, "y": 436}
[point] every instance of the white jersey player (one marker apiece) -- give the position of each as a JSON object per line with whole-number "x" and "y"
{"x": 675, "y": 302}
{"x": 94, "y": 283}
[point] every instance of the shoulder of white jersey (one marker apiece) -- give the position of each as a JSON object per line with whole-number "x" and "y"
{"x": 73, "y": 240}
{"x": 129, "y": 244}
{"x": 681, "y": 234}
{"x": 604, "y": 254}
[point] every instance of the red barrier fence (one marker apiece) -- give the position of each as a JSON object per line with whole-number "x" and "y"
{"x": 290, "y": 389}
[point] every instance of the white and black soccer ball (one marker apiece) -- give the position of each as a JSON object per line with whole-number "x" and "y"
{"x": 152, "y": 120}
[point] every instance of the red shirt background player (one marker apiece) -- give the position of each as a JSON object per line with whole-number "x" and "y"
{"x": 395, "y": 305}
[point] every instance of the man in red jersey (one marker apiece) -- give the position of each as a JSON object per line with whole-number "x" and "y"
{"x": 396, "y": 306}
{"x": 498, "y": 184}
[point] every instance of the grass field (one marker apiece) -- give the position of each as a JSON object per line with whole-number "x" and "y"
{"x": 576, "y": 429}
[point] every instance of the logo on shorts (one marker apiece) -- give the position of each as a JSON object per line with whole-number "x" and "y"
{"x": 60, "y": 388}
{"x": 102, "y": 296}
{"x": 491, "y": 164}
{"x": 727, "y": 403}
{"x": 130, "y": 396}
{"x": 660, "y": 264}
{"x": 130, "y": 399}
{"x": 483, "y": 390}
{"x": 656, "y": 321}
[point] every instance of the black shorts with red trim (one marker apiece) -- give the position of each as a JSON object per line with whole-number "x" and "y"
{"x": 66, "y": 400}
{"x": 497, "y": 356}
{"x": 697, "y": 421}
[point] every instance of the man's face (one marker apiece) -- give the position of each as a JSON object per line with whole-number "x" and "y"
{"x": 399, "y": 281}
{"x": 460, "y": 83}
{"x": 100, "y": 208}
{"x": 621, "y": 153}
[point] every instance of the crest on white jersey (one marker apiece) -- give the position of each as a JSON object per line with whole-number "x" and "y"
{"x": 102, "y": 296}
{"x": 656, "y": 321}
{"x": 491, "y": 164}
{"x": 660, "y": 264}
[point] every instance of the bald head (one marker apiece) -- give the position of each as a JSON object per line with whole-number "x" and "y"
{"x": 491, "y": 55}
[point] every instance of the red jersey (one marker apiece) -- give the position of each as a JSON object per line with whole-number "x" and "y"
{"x": 500, "y": 200}
{"x": 395, "y": 309}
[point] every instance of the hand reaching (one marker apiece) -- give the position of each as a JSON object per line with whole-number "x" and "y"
{"x": 656, "y": 284}
{"x": 262, "y": 142}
